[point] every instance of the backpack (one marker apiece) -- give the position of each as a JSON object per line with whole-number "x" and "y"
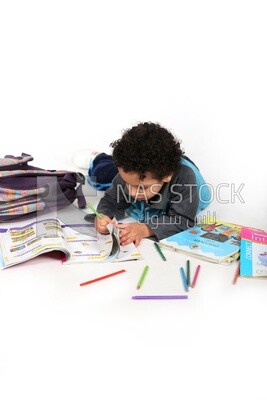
{"x": 26, "y": 191}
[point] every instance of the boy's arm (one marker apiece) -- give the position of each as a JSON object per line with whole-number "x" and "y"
{"x": 114, "y": 203}
{"x": 183, "y": 205}
{"x": 171, "y": 223}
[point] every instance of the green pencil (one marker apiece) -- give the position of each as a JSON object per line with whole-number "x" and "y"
{"x": 142, "y": 277}
{"x": 159, "y": 251}
{"x": 89, "y": 205}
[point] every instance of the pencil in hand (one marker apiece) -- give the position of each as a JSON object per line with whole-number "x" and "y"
{"x": 89, "y": 205}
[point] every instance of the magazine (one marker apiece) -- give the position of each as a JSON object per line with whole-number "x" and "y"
{"x": 217, "y": 242}
{"x": 77, "y": 242}
{"x": 253, "y": 254}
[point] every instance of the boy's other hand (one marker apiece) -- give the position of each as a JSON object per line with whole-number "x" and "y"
{"x": 133, "y": 232}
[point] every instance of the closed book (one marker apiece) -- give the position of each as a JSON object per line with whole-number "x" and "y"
{"x": 217, "y": 242}
{"x": 253, "y": 253}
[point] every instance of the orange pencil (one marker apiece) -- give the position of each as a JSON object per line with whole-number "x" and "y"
{"x": 195, "y": 277}
{"x": 102, "y": 277}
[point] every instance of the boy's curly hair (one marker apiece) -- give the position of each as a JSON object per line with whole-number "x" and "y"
{"x": 147, "y": 147}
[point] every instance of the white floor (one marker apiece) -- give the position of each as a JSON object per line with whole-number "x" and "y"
{"x": 63, "y": 341}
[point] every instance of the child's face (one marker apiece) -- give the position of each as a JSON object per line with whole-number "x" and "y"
{"x": 142, "y": 189}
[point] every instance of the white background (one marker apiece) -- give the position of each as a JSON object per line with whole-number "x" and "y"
{"x": 76, "y": 74}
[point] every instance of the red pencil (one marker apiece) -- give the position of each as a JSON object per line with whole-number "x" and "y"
{"x": 195, "y": 277}
{"x": 102, "y": 277}
{"x": 236, "y": 275}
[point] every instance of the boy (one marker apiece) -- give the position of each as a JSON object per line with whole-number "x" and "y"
{"x": 148, "y": 178}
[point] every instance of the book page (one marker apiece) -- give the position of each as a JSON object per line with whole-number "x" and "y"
{"x": 128, "y": 252}
{"x": 21, "y": 243}
{"x": 86, "y": 248}
{"x": 98, "y": 248}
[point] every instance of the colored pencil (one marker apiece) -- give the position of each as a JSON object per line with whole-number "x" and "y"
{"x": 195, "y": 277}
{"x": 184, "y": 279}
{"x": 188, "y": 272}
{"x": 102, "y": 277}
{"x": 159, "y": 251}
{"x": 89, "y": 205}
{"x": 160, "y": 297}
{"x": 141, "y": 280}
{"x": 236, "y": 275}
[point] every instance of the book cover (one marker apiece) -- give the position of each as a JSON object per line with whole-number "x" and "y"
{"x": 253, "y": 253}
{"x": 215, "y": 242}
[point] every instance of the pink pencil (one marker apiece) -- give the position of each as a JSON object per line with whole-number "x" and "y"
{"x": 102, "y": 277}
{"x": 195, "y": 277}
{"x": 236, "y": 275}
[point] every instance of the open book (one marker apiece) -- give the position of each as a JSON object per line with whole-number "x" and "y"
{"x": 217, "y": 242}
{"x": 78, "y": 243}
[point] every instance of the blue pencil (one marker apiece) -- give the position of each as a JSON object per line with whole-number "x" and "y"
{"x": 184, "y": 279}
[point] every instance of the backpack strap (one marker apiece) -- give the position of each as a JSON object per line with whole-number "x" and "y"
{"x": 10, "y": 161}
{"x": 70, "y": 178}
{"x": 80, "y": 196}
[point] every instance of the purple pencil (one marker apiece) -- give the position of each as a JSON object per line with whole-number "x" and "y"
{"x": 160, "y": 297}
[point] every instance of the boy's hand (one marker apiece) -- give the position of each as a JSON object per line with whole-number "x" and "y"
{"x": 133, "y": 232}
{"x": 101, "y": 224}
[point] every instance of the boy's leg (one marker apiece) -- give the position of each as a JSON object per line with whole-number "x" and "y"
{"x": 83, "y": 158}
{"x": 102, "y": 171}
